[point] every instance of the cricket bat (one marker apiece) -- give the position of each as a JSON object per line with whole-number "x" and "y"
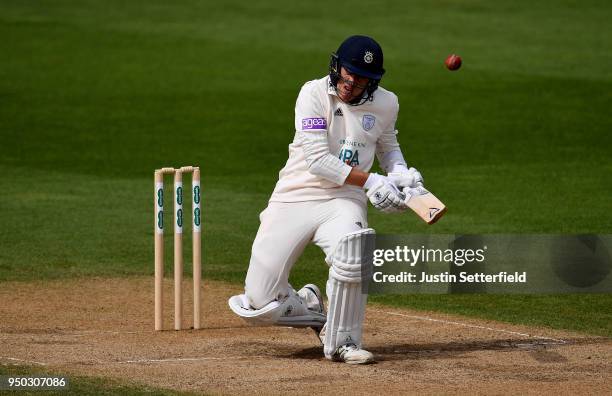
{"x": 425, "y": 204}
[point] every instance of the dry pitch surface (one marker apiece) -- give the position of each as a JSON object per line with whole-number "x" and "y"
{"x": 104, "y": 327}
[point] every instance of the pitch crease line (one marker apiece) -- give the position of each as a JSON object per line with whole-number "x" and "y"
{"x": 474, "y": 326}
{"x": 195, "y": 359}
{"x": 23, "y": 361}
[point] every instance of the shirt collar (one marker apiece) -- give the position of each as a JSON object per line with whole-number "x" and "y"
{"x": 330, "y": 90}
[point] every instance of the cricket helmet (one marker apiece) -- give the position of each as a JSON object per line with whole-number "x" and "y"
{"x": 360, "y": 55}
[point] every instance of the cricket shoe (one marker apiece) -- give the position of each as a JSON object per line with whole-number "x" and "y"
{"x": 311, "y": 295}
{"x": 352, "y": 354}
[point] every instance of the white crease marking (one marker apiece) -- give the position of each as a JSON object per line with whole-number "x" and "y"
{"x": 23, "y": 361}
{"x": 556, "y": 341}
{"x": 194, "y": 359}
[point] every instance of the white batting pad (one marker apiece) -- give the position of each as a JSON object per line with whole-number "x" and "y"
{"x": 290, "y": 312}
{"x": 349, "y": 273}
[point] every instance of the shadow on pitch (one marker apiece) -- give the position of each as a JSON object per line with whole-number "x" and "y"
{"x": 541, "y": 350}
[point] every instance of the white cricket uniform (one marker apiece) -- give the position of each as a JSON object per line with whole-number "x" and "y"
{"x": 308, "y": 206}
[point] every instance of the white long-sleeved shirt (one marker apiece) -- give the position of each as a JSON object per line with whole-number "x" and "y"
{"x": 354, "y": 134}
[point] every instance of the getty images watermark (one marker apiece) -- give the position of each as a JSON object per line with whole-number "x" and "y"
{"x": 458, "y": 257}
{"x": 528, "y": 264}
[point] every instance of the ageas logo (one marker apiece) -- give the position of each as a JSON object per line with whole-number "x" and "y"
{"x": 314, "y": 123}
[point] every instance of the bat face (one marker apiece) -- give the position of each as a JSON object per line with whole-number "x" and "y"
{"x": 424, "y": 204}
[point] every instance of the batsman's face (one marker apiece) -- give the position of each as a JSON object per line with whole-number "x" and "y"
{"x": 350, "y": 86}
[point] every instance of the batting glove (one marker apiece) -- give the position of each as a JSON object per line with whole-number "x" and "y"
{"x": 410, "y": 179}
{"x": 384, "y": 195}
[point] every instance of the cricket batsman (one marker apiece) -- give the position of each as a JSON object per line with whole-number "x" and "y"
{"x": 342, "y": 121}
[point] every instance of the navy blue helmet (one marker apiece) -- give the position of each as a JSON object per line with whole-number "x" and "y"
{"x": 359, "y": 55}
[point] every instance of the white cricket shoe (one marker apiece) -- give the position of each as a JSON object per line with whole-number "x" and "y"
{"x": 311, "y": 295}
{"x": 352, "y": 354}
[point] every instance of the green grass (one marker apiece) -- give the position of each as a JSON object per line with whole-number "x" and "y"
{"x": 80, "y": 385}
{"x": 95, "y": 95}
{"x": 588, "y": 313}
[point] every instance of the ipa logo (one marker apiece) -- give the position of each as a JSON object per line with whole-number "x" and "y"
{"x": 349, "y": 157}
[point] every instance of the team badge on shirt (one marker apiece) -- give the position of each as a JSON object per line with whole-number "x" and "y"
{"x": 368, "y": 122}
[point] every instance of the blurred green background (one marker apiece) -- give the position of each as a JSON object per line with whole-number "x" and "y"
{"x": 95, "y": 95}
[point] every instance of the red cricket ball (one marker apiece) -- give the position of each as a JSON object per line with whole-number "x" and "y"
{"x": 453, "y": 62}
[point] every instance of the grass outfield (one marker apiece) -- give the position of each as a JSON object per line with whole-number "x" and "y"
{"x": 95, "y": 95}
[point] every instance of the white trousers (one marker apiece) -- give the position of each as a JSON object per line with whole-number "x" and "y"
{"x": 285, "y": 230}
